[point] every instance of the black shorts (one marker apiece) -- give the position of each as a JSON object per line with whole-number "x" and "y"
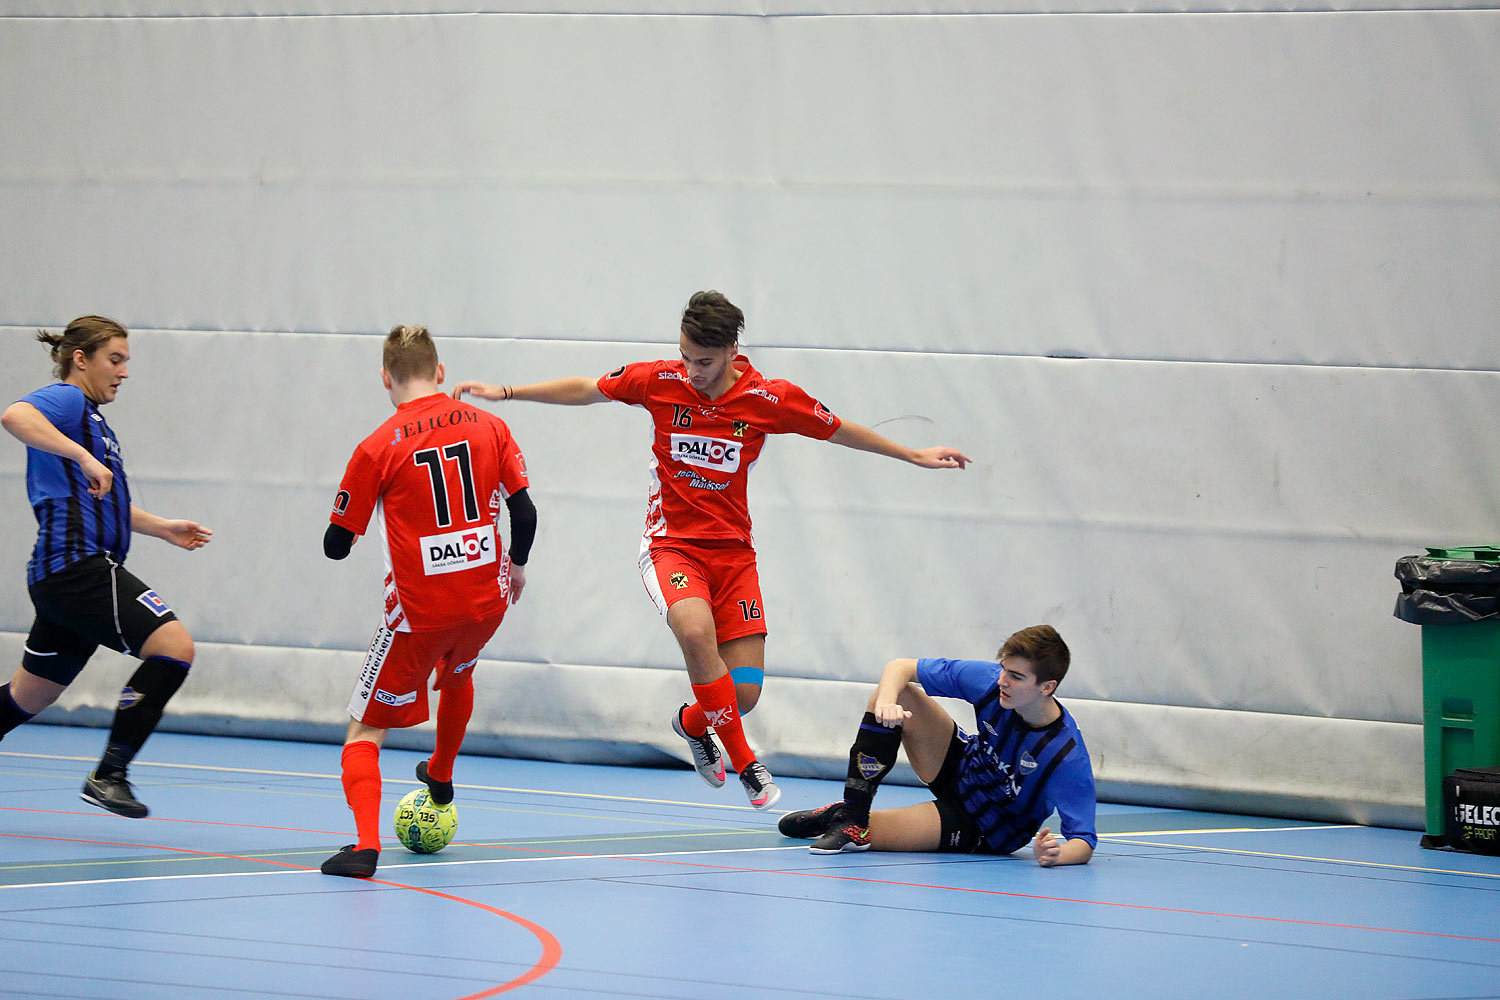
{"x": 94, "y": 602}
{"x": 960, "y": 833}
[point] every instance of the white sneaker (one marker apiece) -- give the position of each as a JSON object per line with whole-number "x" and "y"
{"x": 759, "y": 787}
{"x": 707, "y": 760}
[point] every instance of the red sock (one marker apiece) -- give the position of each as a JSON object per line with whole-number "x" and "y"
{"x": 717, "y": 705}
{"x": 694, "y": 722}
{"x": 455, "y": 705}
{"x": 362, "y": 790}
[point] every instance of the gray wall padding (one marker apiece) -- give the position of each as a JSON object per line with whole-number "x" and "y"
{"x": 1262, "y": 247}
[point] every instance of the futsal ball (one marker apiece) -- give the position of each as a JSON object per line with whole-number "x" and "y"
{"x": 424, "y": 828}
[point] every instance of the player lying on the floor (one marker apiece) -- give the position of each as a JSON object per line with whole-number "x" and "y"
{"x": 993, "y": 790}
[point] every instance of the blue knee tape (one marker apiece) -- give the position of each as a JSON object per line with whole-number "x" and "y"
{"x": 748, "y": 675}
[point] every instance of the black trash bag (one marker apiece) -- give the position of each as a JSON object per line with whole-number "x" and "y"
{"x": 1447, "y": 591}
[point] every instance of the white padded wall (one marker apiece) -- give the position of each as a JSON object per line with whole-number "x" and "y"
{"x": 1268, "y": 244}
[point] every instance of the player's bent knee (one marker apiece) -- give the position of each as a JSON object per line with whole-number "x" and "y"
{"x": 747, "y": 696}
{"x": 171, "y": 640}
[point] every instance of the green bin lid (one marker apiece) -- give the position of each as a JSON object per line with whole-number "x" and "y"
{"x": 1483, "y": 553}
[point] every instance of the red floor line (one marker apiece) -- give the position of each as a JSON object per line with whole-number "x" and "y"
{"x": 551, "y": 947}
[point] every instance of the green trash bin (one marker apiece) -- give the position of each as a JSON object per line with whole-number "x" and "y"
{"x": 1454, "y": 594}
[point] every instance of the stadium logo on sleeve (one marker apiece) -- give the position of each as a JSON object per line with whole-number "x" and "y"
{"x": 823, "y": 413}
{"x": 706, "y": 452}
{"x": 341, "y": 502}
{"x": 458, "y": 550}
{"x": 617, "y": 372}
{"x": 157, "y": 606}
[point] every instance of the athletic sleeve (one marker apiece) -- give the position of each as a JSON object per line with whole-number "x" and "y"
{"x": 337, "y": 541}
{"x": 61, "y": 403}
{"x": 628, "y": 383}
{"x": 799, "y": 413}
{"x": 522, "y": 526}
{"x": 970, "y": 680}
{"x": 357, "y": 494}
{"x": 1071, "y": 792}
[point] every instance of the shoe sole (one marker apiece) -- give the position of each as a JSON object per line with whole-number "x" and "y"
{"x": 349, "y": 874}
{"x": 127, "y": 813}
{"x": 849, "y": 848}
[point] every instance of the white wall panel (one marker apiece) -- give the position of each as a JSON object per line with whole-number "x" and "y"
{"x": 1277, "y": 188}
{"x": 1276, "y": 236}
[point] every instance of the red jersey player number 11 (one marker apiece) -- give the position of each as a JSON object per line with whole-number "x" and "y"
{"x": 433, "y": 477}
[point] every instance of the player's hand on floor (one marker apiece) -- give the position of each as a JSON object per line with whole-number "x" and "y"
{"x": 1046, "y": 847}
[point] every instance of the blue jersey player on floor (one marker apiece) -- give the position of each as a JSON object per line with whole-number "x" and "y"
{"x": 992, "y": 790}
{"x": 83, "y": 595}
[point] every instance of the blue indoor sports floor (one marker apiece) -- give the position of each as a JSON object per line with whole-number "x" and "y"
{"x": 575, "y": 881}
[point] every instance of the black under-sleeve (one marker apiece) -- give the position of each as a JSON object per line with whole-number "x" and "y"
{"x": 337, "y": 541}
{"x": 522, "y": 525}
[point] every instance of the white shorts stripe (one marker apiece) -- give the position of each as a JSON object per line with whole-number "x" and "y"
{"x": 648, "y": 577}
{"x": 364, "y": 685}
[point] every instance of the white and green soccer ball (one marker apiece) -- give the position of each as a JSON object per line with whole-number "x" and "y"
{"x": 424, "y": 828}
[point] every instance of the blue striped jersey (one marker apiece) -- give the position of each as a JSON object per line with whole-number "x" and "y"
{"x": 1012, "y": 776}
{"x": 71, "y": 524}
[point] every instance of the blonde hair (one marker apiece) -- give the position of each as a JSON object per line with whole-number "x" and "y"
{"x": 410, "y": 354}
{"x": 86, "y": 334}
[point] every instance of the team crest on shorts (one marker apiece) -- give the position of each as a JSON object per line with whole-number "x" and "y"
{"x": 678, "y": 580}
{"x": 156, "y": 604}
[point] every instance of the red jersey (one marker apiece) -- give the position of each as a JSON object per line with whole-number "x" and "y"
{"x": 703, "y": 449}
{"x": 436, "y": 474}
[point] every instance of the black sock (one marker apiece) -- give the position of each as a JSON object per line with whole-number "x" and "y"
{"x": 142, "y": 701}
{"x": 11, "y": 714}
{"x": 870, "y": 759}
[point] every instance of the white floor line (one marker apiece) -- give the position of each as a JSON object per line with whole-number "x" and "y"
{"x": 384, "y": 868}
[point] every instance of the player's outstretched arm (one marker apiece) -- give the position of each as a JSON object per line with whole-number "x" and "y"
{"x": 852, "y": 435}
{"x": 181, "y": 533}
{"x": 31, "y": 427}
{"x": 573, "y": 391}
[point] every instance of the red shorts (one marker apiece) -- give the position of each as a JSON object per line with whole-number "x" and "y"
{"x": 721, "y": 572}
{"x": 391, "y": 692}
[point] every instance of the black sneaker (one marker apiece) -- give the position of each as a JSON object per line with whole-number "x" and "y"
{"x": 112, "y": 792}
{"x": 351, "y": 863}
{"x": 808, "y": 823}
{"x": 848, "y": 837}
{"x": 759, "y": 787}
{"x": 441, "y": 791}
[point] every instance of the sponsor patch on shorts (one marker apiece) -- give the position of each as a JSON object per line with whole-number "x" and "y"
{"x": 156, "y": 604}
{"x": 395, "y": 700}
